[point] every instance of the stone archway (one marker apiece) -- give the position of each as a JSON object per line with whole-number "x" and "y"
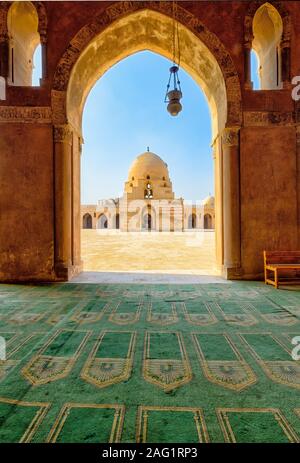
{"x": 192, "y": 221}
{"x": 147, "y": 221}
{"x": 87, "y": 221}
{"x": 102, "y": 222}
{"x": 285, "y": 44}
{"x": 123, "y": 29}
{"x": 117, "y": 221}
{"x": 207, "y": 221}
{"x": 4, "y": 36}
{"x": 128, "y": 17}
{"x": 41, "y": 11}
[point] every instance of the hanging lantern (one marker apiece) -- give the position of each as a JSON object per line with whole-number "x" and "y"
{"x": 174, "y": 96}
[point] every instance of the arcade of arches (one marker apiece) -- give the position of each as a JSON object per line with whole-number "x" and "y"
{"x": 255, "y": 133}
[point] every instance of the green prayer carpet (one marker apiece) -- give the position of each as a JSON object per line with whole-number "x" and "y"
{"x": 149, "y": 363}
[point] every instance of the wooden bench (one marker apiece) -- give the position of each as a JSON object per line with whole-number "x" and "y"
{"x": 283, "y": 265}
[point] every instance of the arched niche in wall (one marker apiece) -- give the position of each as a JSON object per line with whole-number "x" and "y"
{"x": 192, "y": 221}
{"x": 207, "y": 222}
{"x": 87, "y": 221}
{"x": 267, "y": 35}
{"x": 24, "y": 38}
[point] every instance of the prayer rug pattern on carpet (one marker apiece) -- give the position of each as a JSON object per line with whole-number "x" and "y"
{"x": 149, "y": 363}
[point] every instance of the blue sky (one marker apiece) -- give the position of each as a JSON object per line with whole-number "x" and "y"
{"x": 37, "y": 66}
{"x": 125, "y": 112}
{"x": 254, "y": 71}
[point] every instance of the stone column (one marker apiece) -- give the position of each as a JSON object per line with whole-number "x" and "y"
{"x": 286, "y": 63}
{"x": 247, "y": 64}
{"x": 218, "y": 175}
{"x": 231, "y": 202}
{"x": 76, "y": 203}
{"x": 63, "y": 200}
{"x": 43, "y": 38}
{"x": 285, "y": 47}
{"x": 248, "y": 39}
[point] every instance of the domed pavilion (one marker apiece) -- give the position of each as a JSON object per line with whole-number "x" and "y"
{"x": 149, "y": 203}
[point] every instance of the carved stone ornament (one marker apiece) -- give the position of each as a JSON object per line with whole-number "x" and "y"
{"x": 265, "y": 118}
{"x": 63, "y": 134}
{"x": 26, "y": 114}
{"x": 58, "y": 102}
{"x": 230, "y": 136}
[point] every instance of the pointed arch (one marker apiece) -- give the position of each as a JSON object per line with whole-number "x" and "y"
{"x": 87, "y": 221}
{"x": 120, "y": 30}
{"x": 117, "y": 223}
{"x": 102, "y": 222}
{"x": 38, "y": 36}
{"x": 192, "y": 221}
{"x": 208, "y": 222}
{"x": 152, "y": 21}
{"x": 41, "y": 12}
{"x": 267, "y": 30}
{"x": 22, "y": 27}
{"x": 267, "y": 34}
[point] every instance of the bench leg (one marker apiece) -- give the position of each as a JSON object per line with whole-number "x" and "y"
{"x": 266, "y": 276}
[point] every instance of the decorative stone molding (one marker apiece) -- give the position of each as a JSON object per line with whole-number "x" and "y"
{"x": 230, "y": 136}
{"x": 63, "y": 134}
{"x": 43, "y": 23}
{"x": 58, "y": 103}
{"x": 26, "y": 114}
{"x": 265, "y": 118}
{"x": 121, "y": 9}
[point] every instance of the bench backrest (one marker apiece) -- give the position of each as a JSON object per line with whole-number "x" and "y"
{"x": 282, "y": 257}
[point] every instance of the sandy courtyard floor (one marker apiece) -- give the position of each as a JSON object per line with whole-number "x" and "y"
{"x": 183, "y": 253}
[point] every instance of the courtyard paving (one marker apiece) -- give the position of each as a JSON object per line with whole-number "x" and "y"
{"x": 186, "y": 253}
